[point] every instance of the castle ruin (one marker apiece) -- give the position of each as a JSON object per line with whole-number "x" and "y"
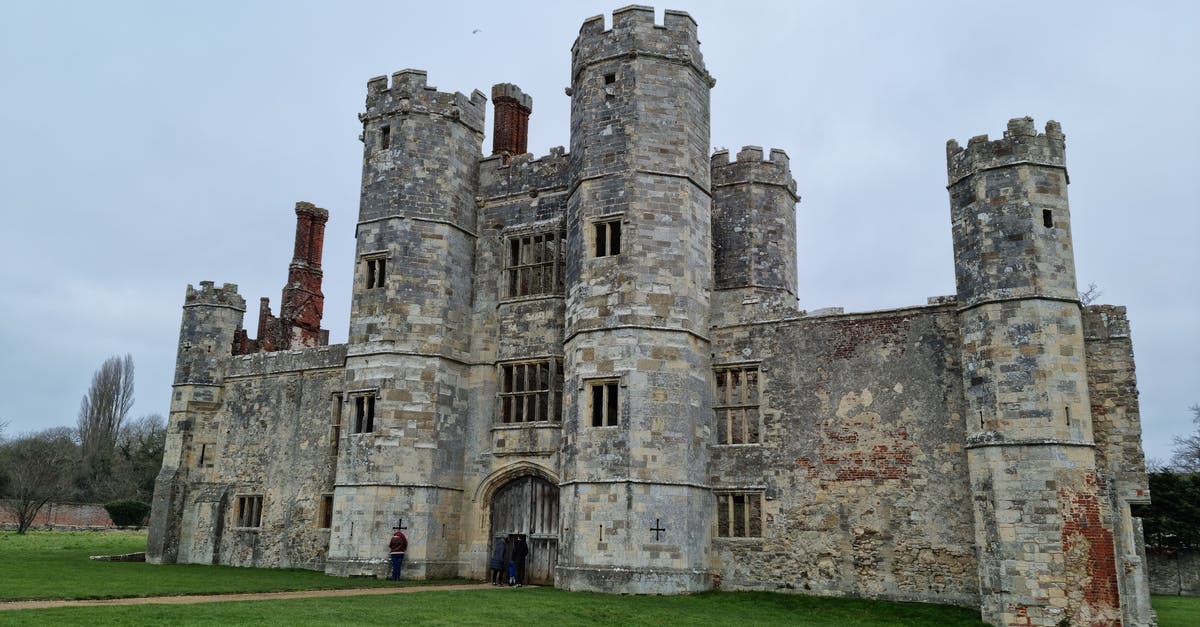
{"x": 602, "y": 349}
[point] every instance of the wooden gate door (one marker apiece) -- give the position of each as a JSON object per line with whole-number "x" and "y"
{"x": 529, "y": 505}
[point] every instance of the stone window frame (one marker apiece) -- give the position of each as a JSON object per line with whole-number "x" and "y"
{"x": 597, "y": 235}
{"x": 726, "y": 410}
{"x": 335, "y": 422}
{"x": 325, "y": 511}
{"x": 374, "y": 272}
{"x": 207, "y": 452}
{"x": 521, "y": 259}
{"x": 735, "y": 516}
{"x": 247, "y": 513}
{"x": 609, "y": 389}
{"x": 385, "y": 137}
{"x": 509, "y": 398}
{"x": 364, "y": 404}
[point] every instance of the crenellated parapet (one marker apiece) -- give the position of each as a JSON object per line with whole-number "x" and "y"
{"x": 634, "y": 32}
{"x": 409, "y": 93}
{"x": 750, "y": 167}
{"x": 208, "y": 295}
{"x": 523, "y": 175}
{"x": 1021, "y": 144}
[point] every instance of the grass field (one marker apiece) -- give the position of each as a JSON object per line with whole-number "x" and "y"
{"x": 54, "y": 565}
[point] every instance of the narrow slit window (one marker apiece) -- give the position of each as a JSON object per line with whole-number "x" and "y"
{"x": 385, "y": 137}
{"x": 325, "y": 513}
{"x": 335, "y": 425}
{"x": 608, "y": 238}
{"x": 1048, "y": 218}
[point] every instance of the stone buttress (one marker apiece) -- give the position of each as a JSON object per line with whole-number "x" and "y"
{"x": 405, "y": 403}
{"x": 636, "y": 507}
{"x": 1044, "y": 529}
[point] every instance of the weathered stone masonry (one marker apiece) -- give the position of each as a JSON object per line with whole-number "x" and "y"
{"x": 601, "y": 348}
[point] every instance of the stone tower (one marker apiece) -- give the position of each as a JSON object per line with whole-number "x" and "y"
{"x": 212, "y": 318}
{"x": 405, "y": 398}
{"x": 754, "y": 233}
{"x": 636, "y": 508}
{"x": 1042, "y": 520}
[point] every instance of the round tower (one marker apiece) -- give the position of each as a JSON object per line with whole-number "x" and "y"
{"x": 404, "y": 403}
{"x": 636, "y": 509}
{"x": 1042, "y": 521}
{"x": 754, "y": 234}
{"x": 212, "y": 319}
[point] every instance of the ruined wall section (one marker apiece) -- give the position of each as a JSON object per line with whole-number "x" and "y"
{"x": 274, "y": 441}
{"x": 410, "y": 327}
{"x": 1117, "y": 427}
{"x": 861, "y": 468}
{"x": 754, "y": 236}
{"x": 212, "y": 318}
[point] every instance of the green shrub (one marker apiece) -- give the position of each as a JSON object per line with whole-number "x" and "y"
{"x": 128, "y": 513}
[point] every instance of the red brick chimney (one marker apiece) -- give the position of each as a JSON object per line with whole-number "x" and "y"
{"x": 303, "y": 302}
{"x": 511, "y": 130}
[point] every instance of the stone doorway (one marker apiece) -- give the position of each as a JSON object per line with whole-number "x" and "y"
{"x": 529, "y": 505}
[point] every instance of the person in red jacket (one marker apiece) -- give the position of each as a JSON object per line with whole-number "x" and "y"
{"x": 397, "y": 546}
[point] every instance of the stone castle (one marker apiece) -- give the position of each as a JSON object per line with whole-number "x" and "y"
{"x": 602, "y": 349}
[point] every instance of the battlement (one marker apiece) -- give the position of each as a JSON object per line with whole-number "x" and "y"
{"x": 1021, "y": 144}
{"x": 410, "y": 94}
{"x": 750, "y": 167}
{"x": 224, "y": 296}
{"x": 1102, "y": 322}
{"x": 634, "y": 30}
{"x": 523, "y": 174}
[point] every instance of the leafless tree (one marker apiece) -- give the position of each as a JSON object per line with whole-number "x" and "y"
{"x": 36, "y": 469}
{"x": 1090, "y": 295}
{"x": 101, "y": 414}
{"x": 1186, "y": 457}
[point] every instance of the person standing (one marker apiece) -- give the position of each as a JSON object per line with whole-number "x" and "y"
{"x": 397, "y": 546}
{"x": 497, "y": 564}
{"x": 520, "y": 552}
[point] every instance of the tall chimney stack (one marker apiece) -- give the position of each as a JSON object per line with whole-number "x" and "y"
{"x": 511, "y": 131}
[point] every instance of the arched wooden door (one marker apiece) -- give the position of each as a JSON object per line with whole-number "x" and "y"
{"x": 529, "y": 505}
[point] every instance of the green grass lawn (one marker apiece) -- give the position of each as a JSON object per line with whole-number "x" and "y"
{"x": 55, "y": 565}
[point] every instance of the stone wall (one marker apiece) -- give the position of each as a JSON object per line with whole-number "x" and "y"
{"x": 62, "y": 515}
{"x": 861, "y": 463}
{"x": 1175, "y": 573}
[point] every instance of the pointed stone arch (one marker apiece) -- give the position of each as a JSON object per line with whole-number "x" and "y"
{"x": 522, "y": 498}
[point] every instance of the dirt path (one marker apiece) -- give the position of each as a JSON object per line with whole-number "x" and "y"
{"x": 217, "y": 598}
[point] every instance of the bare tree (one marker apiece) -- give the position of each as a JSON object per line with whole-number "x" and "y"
{"x": 36, "y": 470}
{"x": 1090, "y": 295}
{"x": 1186, "y": 457}
{"x": 101, "y": 414}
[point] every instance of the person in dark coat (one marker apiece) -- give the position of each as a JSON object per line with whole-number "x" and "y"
{"x": 396, "y": 547}
{"x": 520, "y": 552}
{"x": 499, "y": 548}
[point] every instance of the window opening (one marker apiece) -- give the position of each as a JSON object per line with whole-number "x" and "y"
{"x": 385, "y": 137}
{"x": 325, "y": 514}
{"x": 736, "y": 405}
{"x": 609, "y": 79}
{"x": 604, "y": 403}
{"x": 531, "y": 391}
{"x": 1047, "y": 218}
{"x": 608, "y": 238}
{"x": 534, "y": 264}
{"x": 249, "y": 510}
{"x": 376, "y": 271}
{"x": 739, "y": 515}
{"x": 203, "y": 451}
{"x": 364, "y": 413}
{"x": 335, "y": 425}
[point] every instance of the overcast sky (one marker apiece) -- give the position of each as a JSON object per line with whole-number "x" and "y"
{"x": 151, "y": 145}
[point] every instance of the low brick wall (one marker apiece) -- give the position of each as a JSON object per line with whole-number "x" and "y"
{"x": 63, "y": 516}
{"x": 1174, "y": 573}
